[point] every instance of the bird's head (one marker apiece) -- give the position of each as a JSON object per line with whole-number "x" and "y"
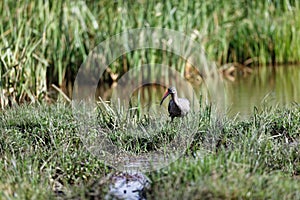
{"x": 170, "y": 90}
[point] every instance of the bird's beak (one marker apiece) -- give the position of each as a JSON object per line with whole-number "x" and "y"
{"x": 165, "y": 96}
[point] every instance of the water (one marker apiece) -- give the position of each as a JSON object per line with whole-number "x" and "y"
{"x": 265, "y": 86}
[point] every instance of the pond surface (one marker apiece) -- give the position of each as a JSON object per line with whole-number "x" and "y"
{"x": 264, "y": 87}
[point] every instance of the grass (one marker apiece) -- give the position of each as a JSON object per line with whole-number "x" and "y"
{"x": 43, "y": 43}
{"x": 42, "y": 154}
{"x": 42, "y": 157}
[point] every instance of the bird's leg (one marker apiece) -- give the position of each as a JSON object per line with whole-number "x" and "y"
{"x": 172, "y": 118}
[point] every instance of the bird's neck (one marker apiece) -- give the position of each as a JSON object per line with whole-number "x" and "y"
{"x": 175, "y": 98}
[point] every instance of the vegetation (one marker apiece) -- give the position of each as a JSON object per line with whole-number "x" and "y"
{"x": 42, "y": 157}
{"x": 44, "y": 43}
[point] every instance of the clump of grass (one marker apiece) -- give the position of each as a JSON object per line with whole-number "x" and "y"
{"x": 138, "y": 133}
{"x": 42, "y": 156}
{"x": 251, "y": 160}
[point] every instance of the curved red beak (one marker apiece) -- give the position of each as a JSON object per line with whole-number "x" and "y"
{"x": 165, "y": 96}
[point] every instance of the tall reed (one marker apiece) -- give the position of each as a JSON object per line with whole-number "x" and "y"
{"x": 44, "y": 43}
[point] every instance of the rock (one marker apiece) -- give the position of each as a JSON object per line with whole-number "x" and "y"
{"x": 128, "y": 185}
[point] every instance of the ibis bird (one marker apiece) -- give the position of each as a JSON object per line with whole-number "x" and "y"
{"x": 178, "y": 107}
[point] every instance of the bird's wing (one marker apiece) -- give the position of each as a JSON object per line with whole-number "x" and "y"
{"x": 184, "y": 105}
